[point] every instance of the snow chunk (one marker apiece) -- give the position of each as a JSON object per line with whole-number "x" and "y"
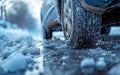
{"x": 15, "y": 62}
{"x": 87, "y": 66}
{"x": 101, "y": 64}
{"x": 87, "y": 62}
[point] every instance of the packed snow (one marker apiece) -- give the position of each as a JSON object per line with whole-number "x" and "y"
{"x": 15, "y": 62}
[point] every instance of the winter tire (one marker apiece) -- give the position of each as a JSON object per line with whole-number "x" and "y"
{"x": 80, "y": 26}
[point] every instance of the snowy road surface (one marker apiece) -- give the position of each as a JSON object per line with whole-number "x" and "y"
{"x": 100, "y": 60}
{"x": 25, "y": 50}
{"x": 25, "y": 53}
{"x": 21, "y": 53}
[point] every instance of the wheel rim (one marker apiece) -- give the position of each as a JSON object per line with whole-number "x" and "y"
{"x": 67, "y": 16}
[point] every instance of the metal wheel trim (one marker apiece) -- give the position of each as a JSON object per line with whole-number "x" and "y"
{"x": 69, "y": 32}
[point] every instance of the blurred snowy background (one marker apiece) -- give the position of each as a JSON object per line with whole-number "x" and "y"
{"x": 24, "y": 13}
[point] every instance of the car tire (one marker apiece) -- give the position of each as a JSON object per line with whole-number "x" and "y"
{"x": 80, "y": 26}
